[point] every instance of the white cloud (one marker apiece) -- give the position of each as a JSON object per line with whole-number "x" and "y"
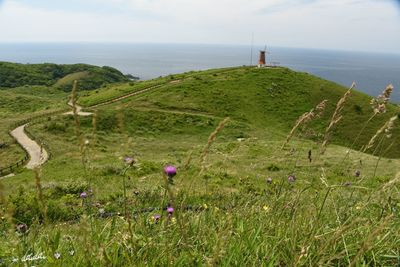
{"x": 341, "y": 24}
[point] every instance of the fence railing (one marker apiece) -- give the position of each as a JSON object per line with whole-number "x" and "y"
{"x": 36, "y": 118}
{"x": 9, "y": 169}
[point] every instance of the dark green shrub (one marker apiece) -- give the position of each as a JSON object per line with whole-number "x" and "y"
{"x": 25, "y": 207}
{"x": 273, "y": 168}
{"x": 56, "y": 127}
{"x": 66, "y": 208}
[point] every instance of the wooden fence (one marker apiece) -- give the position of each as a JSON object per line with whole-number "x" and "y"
{"x": 9, "y": 169}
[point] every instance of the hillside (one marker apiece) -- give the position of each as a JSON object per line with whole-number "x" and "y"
{"x": 19, "y": 104}
{"x": 237, "y": 198}
{"x": 91, "y": 77}
{"x": 266, "y": 100}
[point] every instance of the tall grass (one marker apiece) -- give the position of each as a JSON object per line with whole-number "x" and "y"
{"x": 336, "y": 117}
{"x": 306, "y": 118}
{"x": 314, "y": 220}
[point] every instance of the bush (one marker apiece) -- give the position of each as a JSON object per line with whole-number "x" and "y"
{"x": 273, "y": 168}
{"x": 66, "y": 208}
{"x": 74, "y": 188}
{"x": 62, "y": 201}
{"x": 56, "y": 127}
{"x": 25, "y": 207}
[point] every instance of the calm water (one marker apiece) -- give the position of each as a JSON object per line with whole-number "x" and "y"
{"x": 372, "y": 72}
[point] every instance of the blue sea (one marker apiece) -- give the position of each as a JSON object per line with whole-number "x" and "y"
{"x": 371, "y": 71}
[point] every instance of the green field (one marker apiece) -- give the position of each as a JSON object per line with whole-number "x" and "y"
{"x": 227, "y": 213}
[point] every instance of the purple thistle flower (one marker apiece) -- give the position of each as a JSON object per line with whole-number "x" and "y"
{"x": 357, "y": 173}
{"x": 22, "y": 228}
{"x": 129, "y": 160}
{"x": 269, "y": 180}
{"x": 170, "y": 171}
{"x": 170, "y": 210}
{"x": 83, "y": 195}
{"x": 156, "y": 217}
{"x": 291, "y": 178}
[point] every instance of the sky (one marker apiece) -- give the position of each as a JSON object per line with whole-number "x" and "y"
{"x": 358, "y": 25}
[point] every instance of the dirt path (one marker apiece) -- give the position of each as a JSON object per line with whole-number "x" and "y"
{"x": 37, "y": 154}
{"x": 131, "y": 94}
{"x": 182, "y": 112}
{"x": 79, "y": 110}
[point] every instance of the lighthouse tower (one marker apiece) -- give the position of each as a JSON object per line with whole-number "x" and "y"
{"x": 261, "y": 61}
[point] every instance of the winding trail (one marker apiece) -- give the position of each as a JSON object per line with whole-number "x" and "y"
{"x": 79, "y": 111}
{"x": 132, "y": 94}
{"x": 38, "y": 155}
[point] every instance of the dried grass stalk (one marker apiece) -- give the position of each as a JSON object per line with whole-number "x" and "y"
{"x": 369, "y": 241}
{"x": 336, "y": 117}
{"x": 386, "y": 128}
{"x": 75, "y": 111}
{"x": 39, "y": 192}
{"x": 392, "y": 182}
{"x": 379, "y": 104}
{"x": 211, "y": 139}
{"x": 306, "y": 118}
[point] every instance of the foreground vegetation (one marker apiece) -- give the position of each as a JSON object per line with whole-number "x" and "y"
{"x": 239, "y": 199}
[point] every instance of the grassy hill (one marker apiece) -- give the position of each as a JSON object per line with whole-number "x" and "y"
{"x": 91, "y": 77}
{"x": 226, "y": 211}
{"x": 265, "y": 99}
{"x": 19, "y": 104}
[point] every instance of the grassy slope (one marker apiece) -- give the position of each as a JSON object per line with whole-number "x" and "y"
{"x": 70, "y": 78}
{"x": 21, "y": 103}
{"x": 246, "y": 222}
{"x": 268, "y": 99}
{"x": 32, "y": 89}
{"x": 90, "y": 98}
{"x": 179, "y": 117}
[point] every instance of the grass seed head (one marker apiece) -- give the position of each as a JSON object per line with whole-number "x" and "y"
{"x": 379, "y": 104}
{"x": 336, "y": 117}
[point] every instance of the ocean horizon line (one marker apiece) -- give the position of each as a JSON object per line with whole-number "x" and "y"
{"x": 257, "y": 46}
